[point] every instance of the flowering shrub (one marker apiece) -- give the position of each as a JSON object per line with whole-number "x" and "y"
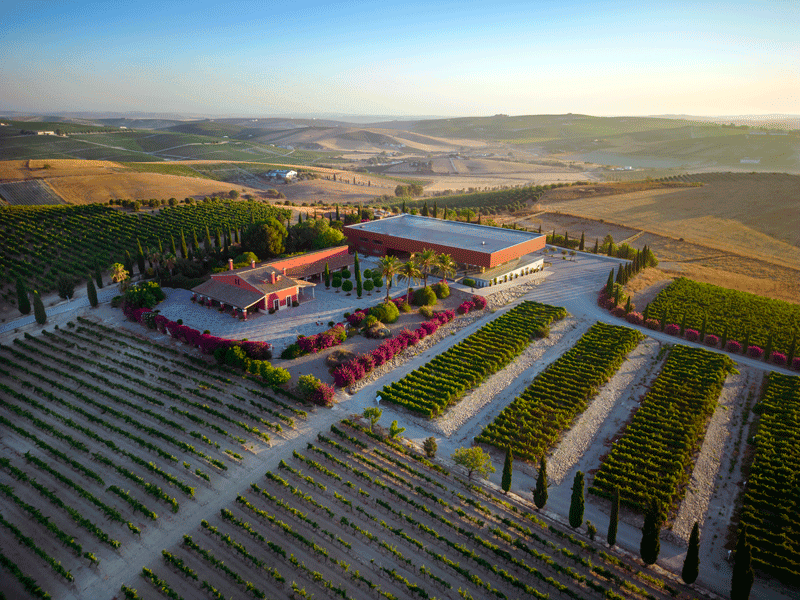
{"x": 712, "y": 340}
{"x": 653, "y": 324}
{"x": 796, "y": 363}
{"x": 479, "y": 302}
{"x": 356, "y": 318}
{"x": 465, "y": 307}
{"x": 672, "y": 329}
{"x": 366, "y": 361}
{"x": 755, "y": 351}
{"x": 619, "y": 311}
{"x": 733, "y": 346}
{"x": 692, "y": 335}
{"x": 778, "y": 358}
{"x": 635, "y": 318}
{"x": 313, "y": 390}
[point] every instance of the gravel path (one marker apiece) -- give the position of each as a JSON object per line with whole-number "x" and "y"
{"x": 704, "y": 477}
{"x": 579, "y": 437}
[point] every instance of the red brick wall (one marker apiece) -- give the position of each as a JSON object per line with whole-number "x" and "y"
{"x": 470, "y": 257}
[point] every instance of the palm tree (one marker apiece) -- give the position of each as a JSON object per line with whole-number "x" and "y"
{"x": 119, "y": 275}
{"x": 409, "y": 272}
{"x": 169, "y": 261}
{"x": 445, "y": 265}
{"x": 154, "y": 258}
{"x": 388, "y": 266}
{"x": 425, "y": 260}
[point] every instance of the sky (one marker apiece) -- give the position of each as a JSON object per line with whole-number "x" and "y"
{"x": 401, "y": 58}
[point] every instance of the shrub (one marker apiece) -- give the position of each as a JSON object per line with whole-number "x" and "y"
{"x": 479, "y": 302}
{"x": 619, "y": 311}
{"x": 464, "y": 307}
{"x": 425, "y": 297}
{"x": 672, "y": 329}
{"x": 442, "y": 290}
{"x": 542, "y": 332}
{"x": 712, "y": 340}
{"x": 653, "y": 324}
{"x": 406, "y": 307}
{"x": 733, "y": 346}
{"x": 778, "y": 358}
{"x": 116, "y": 301}
{"x": 469, "y": 282}
{"x": 426, "y": 311}
{"x": 291, "y": 352}
{"x": 386, "y": 312}
{"x": 755, "y": 351}
{"x": 796, "y": 363}
{"x": 635, "y": 318}
{"x": 692, "y": 335}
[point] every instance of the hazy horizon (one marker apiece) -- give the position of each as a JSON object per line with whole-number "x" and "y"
{"x": 404, "y": 60}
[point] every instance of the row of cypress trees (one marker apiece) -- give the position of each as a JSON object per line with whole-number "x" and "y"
{"x": 24, "y": 303}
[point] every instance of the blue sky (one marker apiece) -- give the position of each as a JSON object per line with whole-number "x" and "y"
{"x": 401, "y": 58}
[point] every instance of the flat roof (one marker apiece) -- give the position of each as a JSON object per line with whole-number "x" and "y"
{"x": 469, "y": 236}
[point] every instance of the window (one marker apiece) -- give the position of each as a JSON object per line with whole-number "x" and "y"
{"x": 276, "y": 304}
{"x": 377, "y": 242}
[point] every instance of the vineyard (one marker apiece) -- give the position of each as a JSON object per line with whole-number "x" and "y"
{"x": 432, "y": 388}
{"x": 485, "y": 202}
{"x": 729, "y": 314}
{"x": 533, "y": 422}
{"x": 771, "y": 499}
{"x": 356, "y": 515}
{"x": 108, "y": 433}
{"x": 29, "y": 193}
{"x": 41, "y": 243}
{"x": 654, "y": 456}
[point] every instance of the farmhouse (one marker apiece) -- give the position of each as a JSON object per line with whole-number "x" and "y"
{"x": 275, "y": 285}
{"x": 281, "y": 174}
{"x": 486, "y": 254}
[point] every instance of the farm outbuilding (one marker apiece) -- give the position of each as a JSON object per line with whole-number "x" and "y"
{"x": 476, "y": 248}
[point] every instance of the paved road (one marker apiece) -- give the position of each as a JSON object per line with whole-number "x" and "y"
{"x": 79, "y": 301}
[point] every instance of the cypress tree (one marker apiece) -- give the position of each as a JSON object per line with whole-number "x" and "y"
{"x": 207, "y": 241}
{"x": 614, "y": 519}
{"x": 38, "y": 309}
{"x": 479, "y": 218}
{"x": 23, "y": 302}
{"x": 540, "y": 491}
{"x": 337, "y": 211}
{"x": 743, "y": 576}
{"x": 195, "y": 243}
{"x": 508, "y": 467}
{"x": 540, "y": 227}
{"x": 172, "y": 247}
{"x": 403, "y": 209}
{"x": 746, "y": 342}
{"x": 91, "y": 292}
{"x": 617, "y": 295}
{"x": 664, "y": 318}
{"x": 184, "y": 249}
{"x": 610, "y": 251}
{"x": 425, "y": 209}
{"x": 218, "y": 239}
{"x": 628, "y": 306}
{"x": 610, "y": 284}
{"x": 703, "y": 328}
{"x": 435, "y": 210}
{"x": 596, "y": 245}
{"x": 792, "y": 349}
{"x": 646, "y": 313}
{"x": 683, "y": 324}
{"x": 98, "y": 277}
{"x": 651, "y": 530}
{"x": 582, "y": 244}
{"x": 160, "y": 247}
{"x": 566, "y": 239}
{"x": 768, "y": 347}
{"x": 236, "y": 235}
{"x": 128, "y": 262}
{"x": 357, "y": 269}
{"x": 691, "y": 564}
{"x": 576, "y": 505}
{"x": 299, "y": 218}
{"x": 553, "y": 238}
{"x": 724, "y": 339}
{"x": 326, "y": 275}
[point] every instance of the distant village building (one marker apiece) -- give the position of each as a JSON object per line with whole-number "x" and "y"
{"x": 275, "y": 285}
{"x": 280, "y": 175}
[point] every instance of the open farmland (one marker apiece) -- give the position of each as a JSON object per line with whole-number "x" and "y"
{"x": 29, "y": 193}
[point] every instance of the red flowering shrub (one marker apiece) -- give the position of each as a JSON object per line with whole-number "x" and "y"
{"x": 672, "y": 329}
{"x": 209, "y": 343}
{"x": 653, "y": 324}
{"x": 619, "y": 311}
{"x": 733, "y": 346}
{"x": 711, "y": 340}
{"x": 479, "y": 302}
{"x": 692, "y": 335}
{"x": 755, "y": 351}
{"x": 356, "y": 318}
{"x": 634, "y": 318}
{"x": 796, "y": 363}
{"x": 429, "y": 327}
{"x": 778, "y": 358}
{"x": 308, "y": 344}
{"x": 323, "y": 395}
{"x": 257, "y": 350}
{"x": 464, "y": 307}
{"x": 366, "y": 361}
{"x": 344, "y": 375}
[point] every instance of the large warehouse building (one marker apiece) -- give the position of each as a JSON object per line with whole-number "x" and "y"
{"x": 486, "y": 253}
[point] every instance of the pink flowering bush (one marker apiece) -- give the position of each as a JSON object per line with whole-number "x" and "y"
{"x": 653, "y": 324}
{"x": 209, "y": 343}
{"x": 308, "y": 344}
{"x": 619, "y": 311}
{"x": 733, "y": 346}
{"x": 429, "y": 327}
{"x": 755, "y": 351}
{"x": 796, "y": 363}
{"x": 712, "y": 340}
{"x": 692, "y": 335}
{"x": 672, "y": 329}
{"x": 366, "y": 361}
{"x": 479, "y": 302}
{"x": 778, "y": 358}
{"x": 464, "y": 307}
{"x": 634, "y": 318}
{"x": 356, "y": 318}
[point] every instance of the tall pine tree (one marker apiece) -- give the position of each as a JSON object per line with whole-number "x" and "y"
{"x": 38, "y": 309}
{"x": 540, "y": 491}
{"x": 576, "y": 504}
{"x": 23, "y": 302}
{"x": 613, "y": 520}
{"x": 508, "y": 467}
{"x": 91, "y": 292}
{"x": 743, "y": 575}
{"x": 357, "y": 269}
{"x": 651, "y": 530}
{"x": 691, "y": 564}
